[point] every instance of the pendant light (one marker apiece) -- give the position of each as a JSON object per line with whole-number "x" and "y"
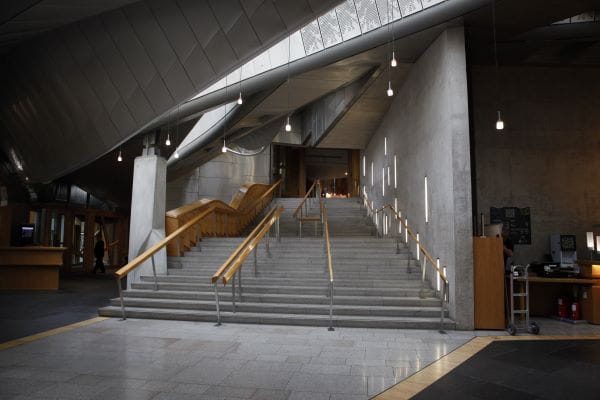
{"x": 119, "y": 157}
{"x": 499, "y": 121}
{"x": 288, "y": 126}
{"x": 394, "y": 63}
{"x": 390, "y": 91}
{"x": 224, "y": 148}
{"x": 176, "y": 155}
{"x": 168, "y": 141}
{"x": 240, "y": 101}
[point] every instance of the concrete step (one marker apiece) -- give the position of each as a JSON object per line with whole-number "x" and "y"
{"x": 293, "y": 290}
{"x": 389, "y": 283}
{"x": 225, "y": 295}
{"x": 270, "y": 308}
{"x": 280, "y": 319}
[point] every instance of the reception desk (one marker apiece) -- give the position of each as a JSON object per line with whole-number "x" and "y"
{"x": 30, "y": 268}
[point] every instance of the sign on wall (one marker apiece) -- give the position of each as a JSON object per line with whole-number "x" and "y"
{"x": 517, "y": 219}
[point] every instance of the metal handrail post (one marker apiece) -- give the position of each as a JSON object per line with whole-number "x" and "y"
{"x": 240, "y": 284}
{"x": 300, "y": 227}
{"x": 217, "y": 304}
{"x": 423, "y": 270}
{"x": 442, "y": 304}
{"x": 233, "y": 292}
{"x": 123, "y": 316}
{"x": 154, "y": 273}
{"x": 267, "y": 242}
{"x": 278, "y": 233}
{"x": 330, "y": 307}
{"x": 255, "y": 259}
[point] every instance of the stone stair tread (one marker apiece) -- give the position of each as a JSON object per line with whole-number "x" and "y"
{"x": 274, "y": 318}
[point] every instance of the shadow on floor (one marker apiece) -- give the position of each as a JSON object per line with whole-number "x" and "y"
{"x": 562, "y": 369}
{"x": 24, "y": 313}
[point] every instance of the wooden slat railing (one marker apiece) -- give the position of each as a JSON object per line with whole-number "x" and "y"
{"x": 224, "y": 220}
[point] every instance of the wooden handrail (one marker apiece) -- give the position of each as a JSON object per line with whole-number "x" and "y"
{"x": 264, "y": 227}
{"x": 308, "y": 192}
{"x": 327, "y": 241}
{"x": 136, "y": 262}
{"x": 241, "y": 247}
{"x": 422, "y": 248}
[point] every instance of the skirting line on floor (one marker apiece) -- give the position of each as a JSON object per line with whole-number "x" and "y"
{"x": 417, "y": 382}
{"x": 51, "y": 332}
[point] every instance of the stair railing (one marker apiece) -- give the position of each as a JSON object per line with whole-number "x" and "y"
{"x": 226, "y": 220}
{"x": 328, "y": 263}
{"x": 233, "y": 265}
{"x": 190, "y": 231}
{"x": 301, "y": 212}
{"x": 420, "y": 249}
{"x": 149, "y": 254}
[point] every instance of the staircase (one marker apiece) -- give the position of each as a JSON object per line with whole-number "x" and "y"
{"x": 374, "y": 286}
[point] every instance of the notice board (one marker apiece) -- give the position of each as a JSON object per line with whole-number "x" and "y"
{"x": 517, "y": 219}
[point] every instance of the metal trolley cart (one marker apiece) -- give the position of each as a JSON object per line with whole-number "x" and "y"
{"x": 519, "y": 279}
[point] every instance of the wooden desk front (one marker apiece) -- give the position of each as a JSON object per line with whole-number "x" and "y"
{"x": 30, "y": 268}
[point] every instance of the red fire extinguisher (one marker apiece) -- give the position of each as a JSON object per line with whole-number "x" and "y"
{"x": 575, "y": 311}
{"x": 562, "y": 307}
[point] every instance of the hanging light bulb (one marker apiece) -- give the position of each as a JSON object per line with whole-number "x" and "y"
{"x": 394, "y": 63}
{"x": 288, "y": 126}
{"x": 224, "y": 148}
{"x": 119, "y": 158}
{"x": 176, "y": 154}
{"x": 239, "y": 100}
{"x": 500, "y": 122}
{"x": 390, "y": 91}
{"x": 168, "y": 141}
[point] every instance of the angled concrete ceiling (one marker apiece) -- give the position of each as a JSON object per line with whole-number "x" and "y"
{"x": 72, "y": 94}
{"x": 21, "y": 20}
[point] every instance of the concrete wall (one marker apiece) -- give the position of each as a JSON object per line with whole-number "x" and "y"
{"x": 219, "y": 178}
{"x": 547, "y": 156}
{"x": 427, "y": 129}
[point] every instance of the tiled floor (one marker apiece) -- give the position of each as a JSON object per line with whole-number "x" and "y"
{"x": 540, "y": 369}
{"x": 145, "y": 359}
{"x": 26, "y": 312}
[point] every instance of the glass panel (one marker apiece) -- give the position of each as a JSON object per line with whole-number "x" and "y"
{"x": 348, "y": 20}
{"x": 408, "y": 7}
{"x": 330, "y": 30}
{"x": 311, "y": 36}
{"x": 279, "y": 53}
{"x": 388, "y": 8}
{"x": 585, "y": 17}
{"x": 297, "y": 47}
{"x": 429, "y": 3}
{"x": 367, "y": 15}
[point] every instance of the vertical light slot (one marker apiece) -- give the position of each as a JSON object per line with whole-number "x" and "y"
{"x": 383, "y": 181}
{"x": 598, "y": 244}
{"x": 385, "y": 146}
{"x": 388, "y": 168}
{"x": 437, "y": 263}
{"x": 396, "y": 204}
{"x": 418, "y": 248}
{"x": 399, "y": 222}
{"x": 395, "y": 174}
{"x": 406, "y": 230}
{"x": 371, "y": 173}
{"x": 590, "y": 240}
{"x": 364, "y": 166}
{"x": 426, "y": 201}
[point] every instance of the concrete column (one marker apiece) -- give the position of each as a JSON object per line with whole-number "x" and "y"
{"x": 148, "y": 200}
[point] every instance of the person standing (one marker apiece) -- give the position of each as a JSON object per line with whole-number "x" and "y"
{"x": 509, "y": 247}
{"x": 99, "y": 254}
